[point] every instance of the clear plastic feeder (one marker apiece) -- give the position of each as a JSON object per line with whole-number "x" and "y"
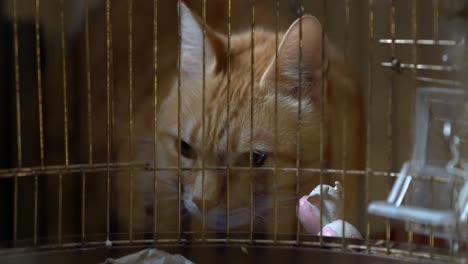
{"x": 431, "y": 191}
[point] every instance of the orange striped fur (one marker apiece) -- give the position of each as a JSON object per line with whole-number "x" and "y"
{"x": 220, "y": 138}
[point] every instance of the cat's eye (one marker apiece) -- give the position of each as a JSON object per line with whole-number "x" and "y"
{"x": 186, "y": 150}
{"x": 258, "y": 158}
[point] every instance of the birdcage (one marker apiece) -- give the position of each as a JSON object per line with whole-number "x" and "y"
{"x": 88, "y": 128}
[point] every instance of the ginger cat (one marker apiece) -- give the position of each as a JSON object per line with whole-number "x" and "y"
{"x": 213, "y": 138}
{"x": 211, "y": 143}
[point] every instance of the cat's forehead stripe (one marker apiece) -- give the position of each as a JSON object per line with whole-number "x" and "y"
{"x": 219, "y": 91}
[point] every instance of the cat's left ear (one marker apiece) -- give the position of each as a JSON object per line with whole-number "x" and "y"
{"x": 192, "y": 45}
{"x": 313, "y": 61}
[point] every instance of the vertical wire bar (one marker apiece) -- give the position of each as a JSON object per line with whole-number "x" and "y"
{"x": 414, "y": 51}
{"x": 390, "y": 115}
{"x": 88, "y": 84}
{"x": 299, "y": 119}
{"x": 155, "y": 84}
{"x": 65, "y": 117}
{"x": 275, "y": 176}
{"x": 39, "y": 81}
{"x": 369, "y": 117}
{"x": 112, "y": 91}
{"x": 435, "y": 15}
{"x": 228, "y": 130}
{"x": 18, "y": 121}
{"x": 179, "y": 170}
{"x": 89, "y": 119}
{"x": 431, "y": 228}
{"x": 252, "y": 83}
{"x": 345, "y": 123}
{"x": 323, "y": 99}
{"x": 436, "y": 37}
{"x": 39, "y": 101}
{"x": 83, "y": 207}
{"x": 64, "y": 81}
{"x": 36, "y": 200}
{"x": 435, "y": 6}
{"x": 130, "y": 112}
{"x": 108, "y": 115}
{"x": 60, "y": 207}
{"x": 203, "y": 118}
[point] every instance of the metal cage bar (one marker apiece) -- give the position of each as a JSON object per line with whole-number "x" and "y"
{"x": 299, "y": 118}
{"x": 89, "y": 116}
{"x": 204, "y": 119}
{"x": 130, "y": 113}
{"x": 228, "y": 125}
{"x": 370, "y": 63}
{"x": 108, "y": 113}
{"x": 390, "y": 115}
{"x": 252, "y": 86}
{"x": 40, "y": 116}
{"x": 18, "y": 121}
{"x": 344, "y": 120}
{"x": 179, "y": 83}
{"x": 414, "y": 54}
{"x": 155, "y": 120}
{"x": 132, "y": 167}
{"x": 275, "y": 165}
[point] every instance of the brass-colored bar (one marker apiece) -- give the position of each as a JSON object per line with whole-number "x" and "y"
{"x": 155, "y": 121}
{"x": 102, "y": 167}
{"x": 204, "y": 119}
{"x": 252, "y": 84}
{"x": 228, "y": 125}
{"x": 410, "y": 239}
{"x": 377, "y": 249}
{"x": 431, "y": 228}
{"x": 18, "y": 121}
{"x": 414, "y": 53}
{"x": 108, "y": 113}
{"x": 390, "y": 115}
{"x": 299, "y": 120}
{"x": 275, "y": 168}
{"x": 40, "y": 113}
{"x": 428, "y": 67}
{"x": 345, "y": 124}
{"x": 88, "y": 84}
{"x": 83, "y": 207}
{"x": 130, "y": 112}
{"x": 39, "y": 81}
{"x": 60, "y": 208}
{"x": 64, "y": 82}
{"x": 57, "y": 169}
{"x": 436, "y": 17}
{"x": 179, "y": 83}
{"x": 36, "y": 201}
{"x": 323, "y": 125}
{"x": 422, "y": 42}
{"x": 370, "y": 84}
{"x": 450, "y": 83}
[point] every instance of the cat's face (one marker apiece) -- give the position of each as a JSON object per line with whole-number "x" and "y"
{"x": 228, "y": 119}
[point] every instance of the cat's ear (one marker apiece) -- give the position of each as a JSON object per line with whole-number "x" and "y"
{"x": 313, "y": 61}
{"x": 192, "y": 44}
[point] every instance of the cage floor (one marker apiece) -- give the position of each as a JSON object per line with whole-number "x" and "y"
{"x": 208, "y": 254}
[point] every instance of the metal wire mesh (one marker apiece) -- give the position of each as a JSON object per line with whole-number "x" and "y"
{"x": 393, "y": 65}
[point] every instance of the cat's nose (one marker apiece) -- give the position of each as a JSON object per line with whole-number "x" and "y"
{"x": 209, "y": 203}
{"x": 207, "y": 190}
